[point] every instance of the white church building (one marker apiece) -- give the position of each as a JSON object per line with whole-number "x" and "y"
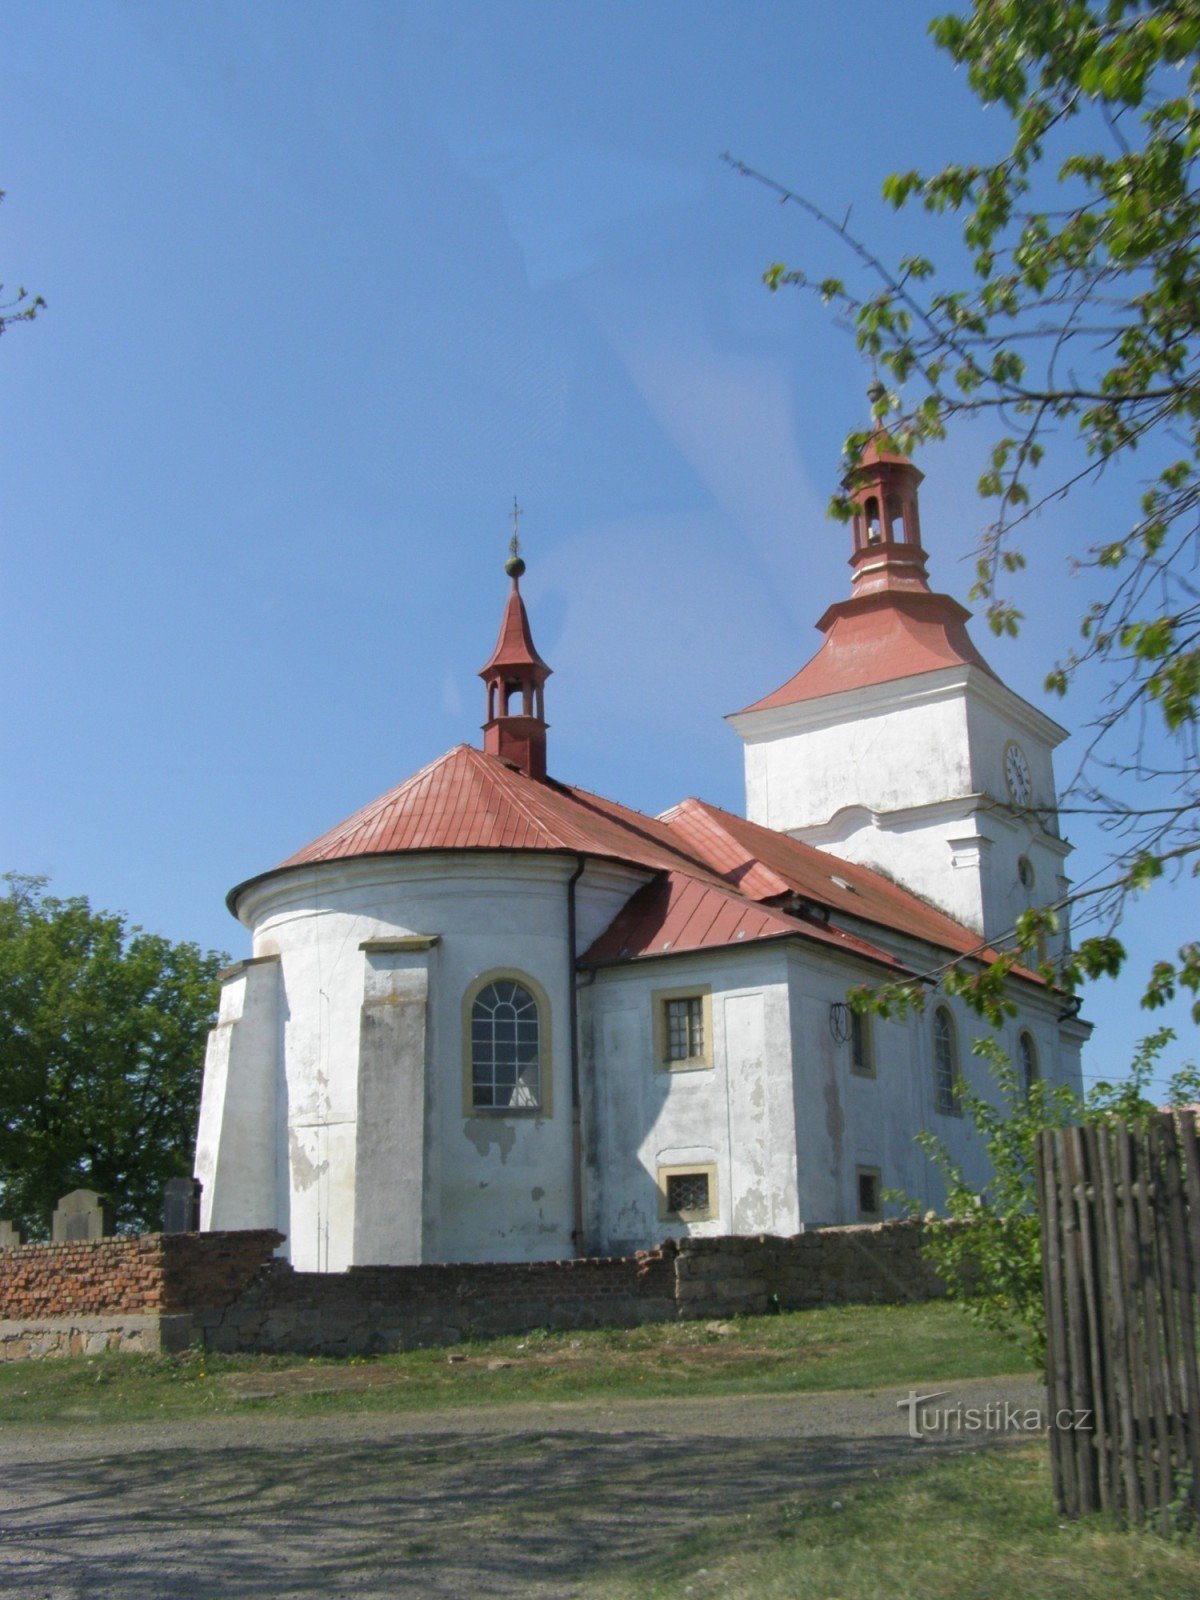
{"x": 493, "y": 1017}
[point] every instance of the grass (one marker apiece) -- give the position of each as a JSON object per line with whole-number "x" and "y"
{"x": 846, "y": 1347}
{"x": 979, "y": 1527}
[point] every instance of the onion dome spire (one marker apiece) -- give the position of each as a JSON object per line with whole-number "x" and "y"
{"x": 514, "y": 674}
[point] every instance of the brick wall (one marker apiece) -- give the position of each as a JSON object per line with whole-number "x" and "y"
{"x": 156, "y": 1272}
{"x": 229, "y": 1290}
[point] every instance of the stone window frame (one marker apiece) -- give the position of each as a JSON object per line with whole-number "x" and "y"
{"x": 544, "y": 1107}
{"x": 946, "y": 1101}
{"x": 689, "y": 1169}
{"x": 659, "y": 1000}
{"x": 874, "y": 1174}
{"x": 861, "y": 1021}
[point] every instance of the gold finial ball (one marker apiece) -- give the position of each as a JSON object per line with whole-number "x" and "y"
{"x": 514, "y": 566}
{"x": 876, "y": 392}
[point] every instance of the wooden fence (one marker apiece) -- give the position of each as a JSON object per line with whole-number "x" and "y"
{"x": 1120, "y": 1211}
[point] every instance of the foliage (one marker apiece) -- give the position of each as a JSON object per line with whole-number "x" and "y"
{"x": 1078, "y": 330}
{"x": 23, "y": 307}
{"x": 988, "y": 1246}
{"x": 102, "y": 1033}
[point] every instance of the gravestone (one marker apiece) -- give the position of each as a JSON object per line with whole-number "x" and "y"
{"x": 82, "y": 1214}
{"x": 10, "y": 1236}
{"x": 181, "y": 1205}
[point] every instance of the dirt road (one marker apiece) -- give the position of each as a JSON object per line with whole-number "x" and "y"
{"x": 496, "y": 1502}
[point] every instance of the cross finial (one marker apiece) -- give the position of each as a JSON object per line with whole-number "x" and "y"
{"x": 514, "y": 566}
{"x": 517, "y": 513}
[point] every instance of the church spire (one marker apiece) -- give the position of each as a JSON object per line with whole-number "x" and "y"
{"x": 515, "y": 729}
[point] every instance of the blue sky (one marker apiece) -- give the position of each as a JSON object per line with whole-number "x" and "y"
{"x": 327, "y": 284}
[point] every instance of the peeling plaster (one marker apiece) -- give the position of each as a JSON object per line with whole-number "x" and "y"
{"x": 484, "y": 1132}
{"x": 305, "y": 1171}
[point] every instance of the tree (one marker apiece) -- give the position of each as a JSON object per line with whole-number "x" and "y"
{"x": 1079, "y": 327}
{"x": 23, "y": 307}
{"x": 102, "y": 1031}
{"x": 988, "y": 1247}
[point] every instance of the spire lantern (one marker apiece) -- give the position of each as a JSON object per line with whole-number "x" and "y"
{"x": 886, "y": 521}
{"x": 514, "y": 674}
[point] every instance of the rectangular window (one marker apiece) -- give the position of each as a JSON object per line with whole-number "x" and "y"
{"x": 687, "y": 1194}
{"x": 683, "y": 1028}
{"x": 862, "y": 1054}
{"x": 870, "y": 1201}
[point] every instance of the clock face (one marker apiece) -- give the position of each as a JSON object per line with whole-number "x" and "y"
{"x": 1017, "y": 775}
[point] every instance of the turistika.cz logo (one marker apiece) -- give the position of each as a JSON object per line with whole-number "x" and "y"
{"x": 925, "y": 1417}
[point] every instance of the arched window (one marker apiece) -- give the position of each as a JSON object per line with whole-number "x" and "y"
{"x": 507, "y": 1045}
{"x": 895, "y": 511}
{"x": 1027, "y": 1051}
{"x": 945, "y": 1064}
{"x": 874, "y": 529}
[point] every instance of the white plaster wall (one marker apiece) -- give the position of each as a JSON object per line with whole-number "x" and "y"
{"x": 844, "y": 1120}
{"x": 497, "y": 1186}
{"x": 908, "y": 778}
{"x": 237, "y": 1138}
{"x": 736, "y": 1114}
{"x": 872, "y": 748}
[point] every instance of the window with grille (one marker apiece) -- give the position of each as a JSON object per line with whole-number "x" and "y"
{"x": 685, "y": 1028}
{"x": 862, "y": 1059}
{"x": 687, "y": 1194}
{"x": 505, "y": 1048}
{"x": 1029, "y": 1061}
{"x": 945, "y": 1063}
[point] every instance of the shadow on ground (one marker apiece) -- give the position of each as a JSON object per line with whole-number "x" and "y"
{"x": 432, "y": 1516}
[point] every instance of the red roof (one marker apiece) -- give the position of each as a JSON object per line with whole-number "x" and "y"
{"x": 678, "y": 913}
{"x": 514, "y": 646}
{"x": 467, "y": 800}
{"x": 767, "y": 864}
{"x": 876, "y": 638}
{"x": 714, "y": 872}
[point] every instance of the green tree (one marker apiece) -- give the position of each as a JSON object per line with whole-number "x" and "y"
{"x": 988, "y": 1246}
{"x": 1078, "y": 325}
{"x": 102, "y": 1031}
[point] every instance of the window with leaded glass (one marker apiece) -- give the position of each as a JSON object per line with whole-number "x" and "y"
{"x": 1029, "y": 1061}
{"x": 685, "y": 1028}
{"x": 945, "y": 1063}
{"x": 505, "y": 1048}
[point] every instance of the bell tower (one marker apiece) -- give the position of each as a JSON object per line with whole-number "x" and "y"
{"x": 896, "y": 745}
{"x": 515, "y": 674}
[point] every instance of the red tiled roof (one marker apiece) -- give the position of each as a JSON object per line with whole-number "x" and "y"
{"x": 877, "y": 638}
{"x": 765, "y": 864}
{"x": 677, "y": 913}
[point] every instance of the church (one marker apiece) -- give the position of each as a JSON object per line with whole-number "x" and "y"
{"x": 494, "y": 1017}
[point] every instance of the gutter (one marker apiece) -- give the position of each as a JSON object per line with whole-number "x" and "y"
{"x": 577, "y": 1230}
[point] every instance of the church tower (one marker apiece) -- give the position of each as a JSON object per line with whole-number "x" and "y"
{"x": 515, "y": 674}
{"x": 896, "y": 746}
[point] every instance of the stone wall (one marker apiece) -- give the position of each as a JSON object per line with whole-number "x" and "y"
{"x": 370, "y": 1309}
{"x": 164, "y": 1291}
{"x": 872, "y": 1263}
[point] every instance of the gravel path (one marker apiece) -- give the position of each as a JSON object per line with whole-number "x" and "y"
{"x": 496, "y": 1502}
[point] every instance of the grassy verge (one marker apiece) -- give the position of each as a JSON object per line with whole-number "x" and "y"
{"x": 980, "y": 1527}
{"x": 847, "y": 1347}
